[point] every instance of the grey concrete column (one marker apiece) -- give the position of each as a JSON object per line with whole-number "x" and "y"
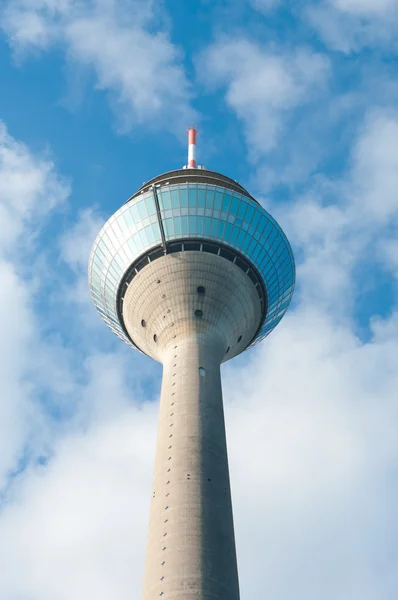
{"x": 191, "y": 546}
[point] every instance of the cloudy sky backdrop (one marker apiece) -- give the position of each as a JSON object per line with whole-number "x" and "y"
{"x": 296, "y": 100}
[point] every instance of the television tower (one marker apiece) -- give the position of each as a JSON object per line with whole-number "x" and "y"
{"x": 191, "y": 271}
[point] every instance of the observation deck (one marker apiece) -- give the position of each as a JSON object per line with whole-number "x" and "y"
{"x": 192, "y": 210}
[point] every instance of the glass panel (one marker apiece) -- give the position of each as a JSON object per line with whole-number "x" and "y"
{"x": 192, "y": 224}
{"x": 234, "y": 206}
{"x": 143, "y": 238}
{"x": 246, "y": 242}
{"x": 218, "y": 200}
{"x": 192, "y": 196}
{"x": 200, "y": 225}
{"x": 169, "y": 226}
{"x": 149, "y": 234}
{"x": 183, "y": 196}
{"x": 249, "y": 213}
{"x": 256, "y": 218}
{"x": 156, "y": 231}
{"x": 235, "y": 233}
{"x": 123, "y": 225}
{"x": 210, "y": 198}
{"x": 201, "y": 197}
{"x": 207, "y": 225}
{"x": 228, "y": 231}
{"x": 184, "y": 226}
{"x": 134, "y": 212}
{"x": 132, "y": 245}
{"x": 175, "y": 203}
{"x": 142, "y": 209}
{"x": 226, "y": 203}
{"x": 221, "y": 229}
{"x": 164, "y": 199}
{"x": 214, "y": 227}
{"x": 177, "y": 225}
{"x": 137, "y": 241}
{"x": 150, "y": 205}
{"x": 129, "y": 218}
{"x": 242, "y": 210}
{"x": 253, "y": 244}
{"x": 241, "y": 236}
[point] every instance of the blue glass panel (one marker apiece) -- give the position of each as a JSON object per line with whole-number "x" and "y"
{"x": 200, "y": 225}
{"x": 221, "y": 229}
{"x": 256, "y": 218}
{"x": 228, "y": 231}
{"x": 135, "y": 213}
{"x": 143, "y": 238}
{"x": 192, "y": 196}
{"x": 226, "y": 203}
{"x": 184, "y": 226}
{"x": 164, "y": 200}
{"x": 142, "y": 209}
{"x": 150, "y": 205}
{"x": 123, "y": 225}
{"x": 207, "y": 225}
{"x": 235, "y": 233}
{"x": 214, "y": 227}
{"x": 218, "y": 200}
{"x": 262, "y": 224}
{"x": 169, "y": 226}
{"x": 98, "y": 262}
{"x": 241, "y": 237}
{"x": 149, "y": 234}
{"x": 183, "y": 196}
{"x": 234, "y": 206}
{"x": 242, "y": 210}
{"x": 175, "y": 202}
{"x": 253, "y": 245}
{"x": 137, "y": 241}
{"x": 177, "y": 225}
{"x": 156, "y": 231}
{"x": 201, "y": 197}
{"x": 192, "y": 224}
{"x": 210, "y": 198}
{"x": 249, "y": 213}
{"x": 132, "y": 245}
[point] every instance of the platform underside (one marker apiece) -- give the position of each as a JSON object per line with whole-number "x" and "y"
{"x": 191, "y": 293}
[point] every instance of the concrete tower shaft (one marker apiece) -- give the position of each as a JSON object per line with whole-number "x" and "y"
{"x": 189, "y": 310}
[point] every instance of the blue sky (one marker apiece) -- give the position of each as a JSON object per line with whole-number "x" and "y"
{"x": 297, "y": 101}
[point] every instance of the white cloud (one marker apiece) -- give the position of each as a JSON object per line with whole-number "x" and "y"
{"x": 350, "y": 25}
{"x": 29, "y": 189}
{"x": 264, "y": 5}
{"x": 263, "y": 87}
{"x": 141, "y": 69}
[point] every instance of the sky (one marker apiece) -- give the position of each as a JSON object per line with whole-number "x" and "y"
{"x": 297, "y": 100}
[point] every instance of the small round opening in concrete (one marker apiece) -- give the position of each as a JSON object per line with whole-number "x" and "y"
{"x": 155, "y": 338}
{"x": 158, "y": 281}
{"x": 202, "y": 372}
{"x": 198, "y": 313}
{"x": 239, "y": 338}
{"x": 227, "y": 350}
{"x": 201, "y": 290}
{"x": 143, "y": 324}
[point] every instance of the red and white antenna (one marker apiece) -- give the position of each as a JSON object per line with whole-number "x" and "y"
{"x": 192, "y": 133}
